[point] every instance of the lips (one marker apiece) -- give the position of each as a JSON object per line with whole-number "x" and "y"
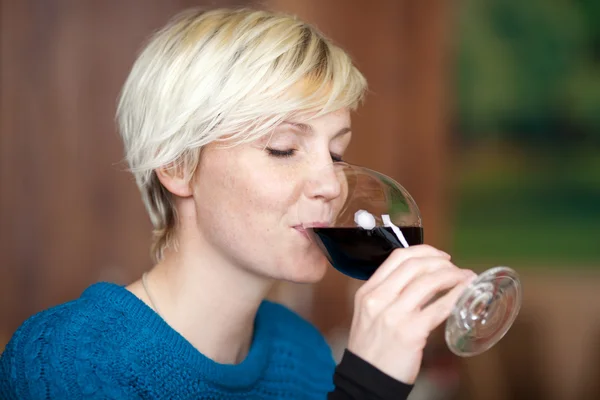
{"x": 302, "y": 231}
{"x": 302, "y": 228}
{"x": 309, "y": 225}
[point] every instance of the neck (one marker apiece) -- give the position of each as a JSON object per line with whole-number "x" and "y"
{"x": 208, "y": 300}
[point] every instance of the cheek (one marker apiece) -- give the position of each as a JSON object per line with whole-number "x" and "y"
{"x": 249, "y": 216}
{"x": 266, "y": 197}
{"x": 244, "y": 202}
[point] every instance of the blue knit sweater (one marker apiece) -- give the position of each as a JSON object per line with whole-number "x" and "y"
{"x": 109, "y": 345}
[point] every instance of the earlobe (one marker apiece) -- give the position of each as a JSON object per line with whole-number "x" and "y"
{"x": 175, "y": 181}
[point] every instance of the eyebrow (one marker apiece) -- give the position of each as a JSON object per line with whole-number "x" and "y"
{"x": 306, "y": 128}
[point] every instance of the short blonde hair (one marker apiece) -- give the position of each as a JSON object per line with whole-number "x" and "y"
{"x": 221, "y": 74}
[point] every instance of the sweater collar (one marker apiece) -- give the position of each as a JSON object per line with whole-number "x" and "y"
{"x": 156, "y": 333}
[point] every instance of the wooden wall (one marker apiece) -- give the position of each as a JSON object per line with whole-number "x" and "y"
{"x": 70, "y": 215}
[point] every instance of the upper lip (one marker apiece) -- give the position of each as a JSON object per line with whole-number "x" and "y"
{"x": 312, "y": 225}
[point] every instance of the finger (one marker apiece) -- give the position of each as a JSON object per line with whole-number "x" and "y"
{"x": 406, "y": 273}
{"x": 469, "y": 275}
{"x": 423, "y": 288}
{"x": 397, "y": 257}
{"x": 439, "y": 311}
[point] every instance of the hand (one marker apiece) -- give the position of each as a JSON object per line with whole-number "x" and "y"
{"x": 396, "y": 309}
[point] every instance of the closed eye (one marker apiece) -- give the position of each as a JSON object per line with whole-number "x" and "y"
{"x": 280, "y": 153}
{"x": 290, "y": 152}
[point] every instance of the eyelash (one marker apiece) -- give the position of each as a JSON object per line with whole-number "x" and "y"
{"x": 291, "y": 152}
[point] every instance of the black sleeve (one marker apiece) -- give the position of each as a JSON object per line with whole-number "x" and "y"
{"x": 355, "y": 378}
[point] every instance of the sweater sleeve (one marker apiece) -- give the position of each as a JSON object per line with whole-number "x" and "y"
{"x": 8, "y": 389}
{"x": 26, "y": 369}
{"x": 44, "y": 361}
{"x": 355, "y": 378}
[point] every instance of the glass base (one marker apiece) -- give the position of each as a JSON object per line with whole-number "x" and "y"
{"x": 484, "y": 312}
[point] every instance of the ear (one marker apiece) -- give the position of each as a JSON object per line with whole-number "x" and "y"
{"x": 175, "y": 180}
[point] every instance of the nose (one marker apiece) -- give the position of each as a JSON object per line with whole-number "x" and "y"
{"x": 324, "y": 184}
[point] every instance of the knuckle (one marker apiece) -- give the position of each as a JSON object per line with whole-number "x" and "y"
{"x": 428, "y": 248}
{"x": 457, "y": 273}
{"x": 397, "y": 254}
{"x": 444, "y": 280}
{"x": 371, "y": 305}
{"x": 469, "y": 274}
{"x": 447, "y": 264}
{"x": 450, "y": 272}
{"x": 414, "y": 263}
{"x": 358, "y": 300}
{"x": 428, "y": 264}
{"x": 430, "y": 281}
{"x": 360, "y": 293}
{"x": 442, "y": 267}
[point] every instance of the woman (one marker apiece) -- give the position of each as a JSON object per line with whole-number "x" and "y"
{"x": 225, "y": 116}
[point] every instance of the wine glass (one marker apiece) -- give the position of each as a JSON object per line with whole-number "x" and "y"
{"x": 369, "y": 216}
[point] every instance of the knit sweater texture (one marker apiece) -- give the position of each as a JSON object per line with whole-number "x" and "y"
{"x": 108, "y": 344}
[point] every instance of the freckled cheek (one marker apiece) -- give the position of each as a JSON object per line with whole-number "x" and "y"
{"x": 272, "y": 192}
{"x": 256, "y": 216}
{"x": 257, "y": 195}
{"x": 247, "y": 207}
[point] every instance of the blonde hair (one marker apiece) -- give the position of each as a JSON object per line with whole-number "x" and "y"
{"x": 225, "y": 74}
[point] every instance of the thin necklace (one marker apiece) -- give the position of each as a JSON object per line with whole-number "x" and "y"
{"x": 145, "y": 285}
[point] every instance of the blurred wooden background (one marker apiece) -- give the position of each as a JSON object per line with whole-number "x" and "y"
{"x": 70, "y": 215}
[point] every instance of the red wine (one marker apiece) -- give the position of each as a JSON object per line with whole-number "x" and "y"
{"x": 358, "y": 252}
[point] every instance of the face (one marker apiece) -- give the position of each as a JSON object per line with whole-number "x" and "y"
{"x": 249, "y": 197}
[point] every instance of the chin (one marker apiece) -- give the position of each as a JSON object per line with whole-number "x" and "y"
{"x": 307, "y": 272}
